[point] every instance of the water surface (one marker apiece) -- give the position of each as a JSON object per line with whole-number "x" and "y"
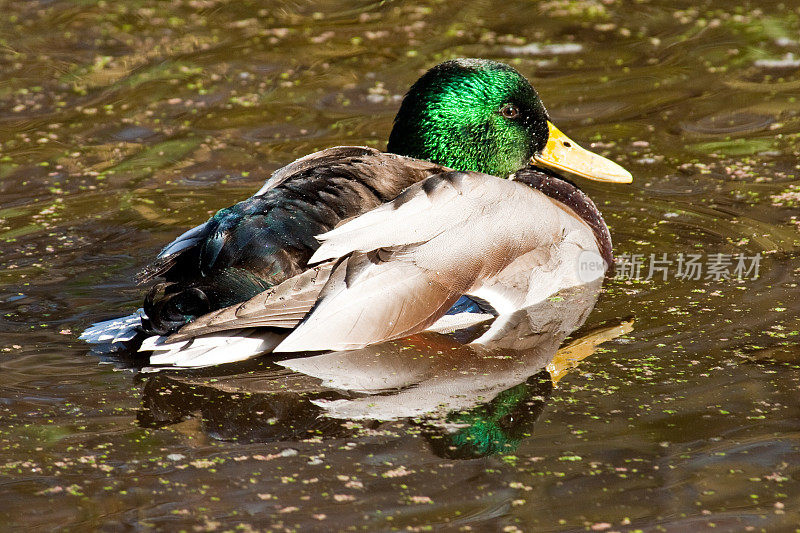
{"x": 124, "y": 123}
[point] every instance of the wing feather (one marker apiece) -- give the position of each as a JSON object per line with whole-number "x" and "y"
{"x": 282, "y": 306}
{"x": 388, "y": 301}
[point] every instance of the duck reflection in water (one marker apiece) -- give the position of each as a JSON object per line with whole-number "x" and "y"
{"x": 475, "y": 391}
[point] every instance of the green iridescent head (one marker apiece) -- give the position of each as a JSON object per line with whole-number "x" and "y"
{"x": 471, "y": 114}
{"x": 481, "y": 115}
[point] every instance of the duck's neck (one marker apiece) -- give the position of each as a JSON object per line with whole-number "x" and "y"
{"x": 458, "y": 144}
{"x": 459, "y": 150}
{"x": 568, "y": 194}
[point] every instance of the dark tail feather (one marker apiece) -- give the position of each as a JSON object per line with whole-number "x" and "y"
{"x": 167, "y": 311}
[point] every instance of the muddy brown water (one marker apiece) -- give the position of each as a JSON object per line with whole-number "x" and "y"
{"x": 124, "y": 123}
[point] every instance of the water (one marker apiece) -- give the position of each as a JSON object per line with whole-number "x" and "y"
{"x": 123, "y": 124}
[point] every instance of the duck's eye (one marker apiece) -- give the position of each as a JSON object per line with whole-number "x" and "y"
{"x": 509, "y": 111}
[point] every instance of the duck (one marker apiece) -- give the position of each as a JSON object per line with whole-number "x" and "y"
{"x": 474, "y": 171}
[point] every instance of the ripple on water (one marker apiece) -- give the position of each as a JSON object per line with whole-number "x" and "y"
{"x": 360, "y": 100}
{"x": 536, "y": 49}
{"x": 211, "y": 177}
{"x": 727, "y": 123}
{"x": 587, "y": 110}
{"x": 680, "y": 184}
{"x": 281, "y": 132}
{"x": 134, "y": 134}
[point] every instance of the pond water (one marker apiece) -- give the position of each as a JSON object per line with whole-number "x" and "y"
{"x": 124, "y": 123}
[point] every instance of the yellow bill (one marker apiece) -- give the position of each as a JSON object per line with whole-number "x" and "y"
{"x": 562, "y": 153}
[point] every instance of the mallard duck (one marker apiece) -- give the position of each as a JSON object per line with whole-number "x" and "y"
{"x": 461, "y": 125}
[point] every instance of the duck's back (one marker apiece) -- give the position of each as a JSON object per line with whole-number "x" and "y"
{"x": 259, "y": 242}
